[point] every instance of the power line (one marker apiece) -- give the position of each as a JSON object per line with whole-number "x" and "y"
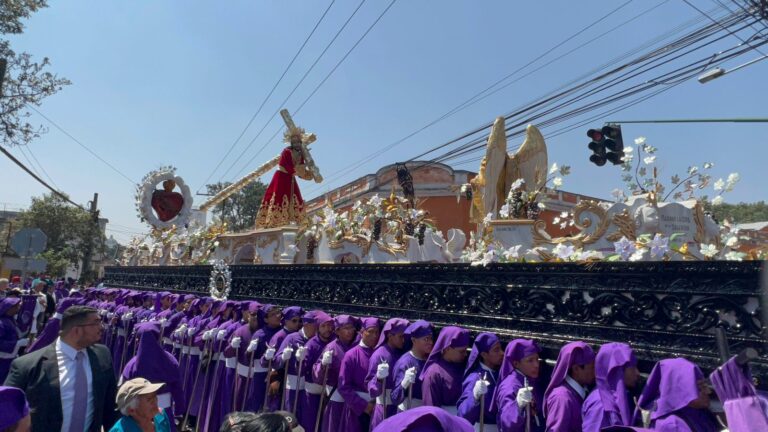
{"x": 718, "y": 23}
{"x": 42, "y": 168}
{"x": 82, "y": 145}
{"x": 253, "y": 117}
{"x": 280, "y": 106}
{"x": 327, "y": 76}
{"x": 39, "y": 180}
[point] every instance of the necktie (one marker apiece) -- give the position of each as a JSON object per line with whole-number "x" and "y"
{"x": 80, "y": 404}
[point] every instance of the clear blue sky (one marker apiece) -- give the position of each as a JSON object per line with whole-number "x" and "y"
{"x": 175, "y": 82}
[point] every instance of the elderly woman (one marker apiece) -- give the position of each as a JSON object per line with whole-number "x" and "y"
{"x": 137, "y": 401}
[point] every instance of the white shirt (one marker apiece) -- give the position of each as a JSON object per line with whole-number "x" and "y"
{"x": 65, "y": 357}
{"x": 576, "y": 386}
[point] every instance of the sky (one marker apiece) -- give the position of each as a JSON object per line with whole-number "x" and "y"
{"x": 176, "y": 82}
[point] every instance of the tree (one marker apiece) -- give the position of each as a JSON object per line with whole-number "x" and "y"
{"x": 26, "y": 82}
{"x": 239, "y": 210}
{"x": 68, "y": 229}
{"x": 739, "y": 213}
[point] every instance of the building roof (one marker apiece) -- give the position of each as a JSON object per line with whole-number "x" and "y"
{"x": 753, "y": 226}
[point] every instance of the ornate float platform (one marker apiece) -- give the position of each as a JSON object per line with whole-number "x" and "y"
{"x": 663, "y": 309}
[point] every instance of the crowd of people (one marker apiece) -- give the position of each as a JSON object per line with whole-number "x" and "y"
{"x": 125, "y": 360}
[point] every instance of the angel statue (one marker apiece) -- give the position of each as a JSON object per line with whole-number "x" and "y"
{"x": 282, "y": 203}
{"x": 498, "y": 170}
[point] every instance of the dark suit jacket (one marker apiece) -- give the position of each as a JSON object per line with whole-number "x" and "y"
{"x": 37, "y": 373}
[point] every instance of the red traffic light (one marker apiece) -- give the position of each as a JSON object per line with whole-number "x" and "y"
{"x": 595, "y": 134}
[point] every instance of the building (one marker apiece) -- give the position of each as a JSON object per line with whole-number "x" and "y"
{"x": 437, "y": 188}
{"x": 753, "y": 235}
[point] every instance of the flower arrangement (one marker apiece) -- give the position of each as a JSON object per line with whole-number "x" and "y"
{"x": 523, "y": 204}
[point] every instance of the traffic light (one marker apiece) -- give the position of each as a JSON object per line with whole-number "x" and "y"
{"x": 607, "y": 145}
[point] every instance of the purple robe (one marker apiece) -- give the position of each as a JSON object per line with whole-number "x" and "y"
{"x": 424, "y": 419}
{"x": 9, "y": 336}
{"x": 15, "y": 408}
{"x": 334, "y": 409}
{"x": 293, "y": 383}
{"x": 441, "y": 380}
{"x": 400, "y": 395}
{"x": 467, "y": 406}
{"x": 562, "y": 403}
{"x": 310, "y": 403}
{"x": 234, "y": 358}
{"x": 671, "y": 386}
{"x": 258, "y": 383}
{"x": 609, "y": 403}
{"x": 218, "y": 390}
{"x": 509, "y": 417}
{"x": 354, "y": 368}
{"x": 744, "y": 408}
{"x": 383, "y": 353}
{"x": 156, "y": 365}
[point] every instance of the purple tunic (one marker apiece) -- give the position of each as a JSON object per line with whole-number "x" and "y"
{"x": 218, "y": 390}
{"x": 334, "y": 410}
{"x": 467, "y": 406}
{"x": 155, "y": 365}
{"x": 400, "y": 395}
{"x": 424, "y": 419}
{"x": 9, "y": 336}
{"x": 310, "y": 403}
{"x": 671, "y": 386}
{"x": 441, "y": 380}
{"x": 509, "y": 416}
{"x": 744, "y": 408}
{"x": 292, "y": 340}
{"x": 609, "y": 403}
{"x": 562, "y": 403}
{"x": 258, "y": 383}
{"x": 354, "y": 368}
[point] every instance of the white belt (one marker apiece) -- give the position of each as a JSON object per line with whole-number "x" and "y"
{"x": 363, "y": 395}
{"x": 164, "y": 400}
{"x": 184, "y": 349}
{"x": 194, "y": 351}
{"x": 242, "y": 369}
{"x": 487, "y": 427}
{"x": 57, "y": 316}
{"x": 121, "y": 332}
{"x": 167, "y": 341}
{"x": 414, "y": 403}
{"x": 451, "y": 409}
{"x": 10, "y": 355}
{"x": 216, "y": 356}
{"x": 337, "y": 397}
{"x": 231, "y": 362}
{"x": 292, "y": 383}
{"x": 312, "y": 388}
{"x": 381, "y": 398}
{"x": 176, "y": 345}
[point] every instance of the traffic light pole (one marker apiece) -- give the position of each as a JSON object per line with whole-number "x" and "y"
{"x": 734, "y": 120}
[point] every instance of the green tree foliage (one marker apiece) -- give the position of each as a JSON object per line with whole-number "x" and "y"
{"x": 27, "y": 82}
{"x": 239, "y": 210}
{"x": 740, "y": 213}
{"x": 69, "y": 230}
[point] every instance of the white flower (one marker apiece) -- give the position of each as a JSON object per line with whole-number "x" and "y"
{"x": 719, "y": 184}
{"x": 564, "y": 214}
{"x": 649, "y": 160}
{"x": 375, "y": 200}
{"x": 716, "y": 201}
{"x": 517, "y": 184}
{"x": 585, "y": 255}
{"x": 732, "y": 241}
{"x": 556, "y": 220}
{"x": 563, "y": 252}
{"x": 735, "y": 256}
{"x": 708, "y": 165}
{"x": 357, "y": 205}
{"x": 640, "y": 141}
{"x": 733, "y": 178}
{"x": 628, "y": 151}
{"x": 708, "y": 250}
{"x": 557, "y": 182}
{"x": 488, "y": 258}
{"x": 625, "y": 248}
{"x": 693, "y": 169}
{"x": 512, "y": 253}
{"x": 617, "y": 193}
{"x": 553, "y": 169}
{"x": 504, "y": 211}
{"x": 638, "y": 254}
{"x": 488, "y": 218}
{"x": 541, "y": 206}
{"x": 563, "y": 225}
{"x": 659, "y": 246}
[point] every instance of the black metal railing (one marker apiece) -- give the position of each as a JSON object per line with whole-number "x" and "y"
{"x": 663, "y": 309}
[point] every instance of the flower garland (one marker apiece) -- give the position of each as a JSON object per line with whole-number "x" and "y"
{"x": 144, "y": 193}
{"x": 220, "y": 270}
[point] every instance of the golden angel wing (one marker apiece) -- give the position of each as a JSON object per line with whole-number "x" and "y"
{"x": 529, "y": 162}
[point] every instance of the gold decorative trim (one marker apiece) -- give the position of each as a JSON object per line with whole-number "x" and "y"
{"x": 626, "y": 227}
{"x": 540, "y": 235}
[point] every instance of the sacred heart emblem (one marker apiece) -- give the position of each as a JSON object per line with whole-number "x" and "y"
{"x": 166, "y": 202}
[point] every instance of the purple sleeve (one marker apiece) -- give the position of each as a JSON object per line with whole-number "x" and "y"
{"x": 593, "y": 414}
{"x": 671, "y": 423}
{"x": 467, "y": 406}
{"x": 373, "y": 385}
{"x": 398, "y": 395}
{"x": 508, "y": 416}
{"x": 561, "y": 411}
{"x": 8, "y": 337}
{"x": 346, "y": 382}
{"x": 431, "y": 388}
{"x": 179, "y": 399}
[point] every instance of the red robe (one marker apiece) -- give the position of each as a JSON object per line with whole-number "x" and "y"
{"x": 282, "y": 203}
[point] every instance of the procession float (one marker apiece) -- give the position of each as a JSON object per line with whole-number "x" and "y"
{"x": 650, "y": 266}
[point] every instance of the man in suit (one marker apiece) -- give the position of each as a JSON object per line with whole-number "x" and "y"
{"x": 70, "y": 384}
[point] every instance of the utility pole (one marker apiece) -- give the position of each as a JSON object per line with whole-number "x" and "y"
{"x": 87, "y": 273}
